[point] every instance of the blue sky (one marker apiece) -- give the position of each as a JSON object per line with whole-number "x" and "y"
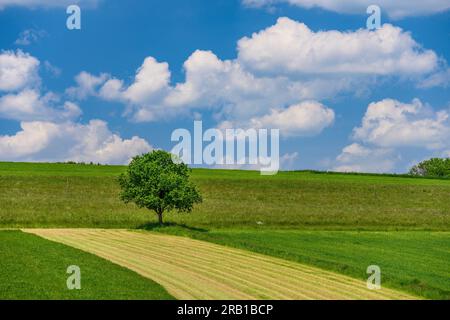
{"x": 311, "y": 72}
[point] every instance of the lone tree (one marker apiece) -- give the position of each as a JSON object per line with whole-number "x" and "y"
{"x": 435, "y": 167}
{"x": 154, "y": 181}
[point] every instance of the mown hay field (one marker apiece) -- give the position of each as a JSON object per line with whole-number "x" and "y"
{"x": 191, "y": 269}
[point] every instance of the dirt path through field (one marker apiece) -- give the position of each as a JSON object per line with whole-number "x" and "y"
{"x": 192, "y": 269}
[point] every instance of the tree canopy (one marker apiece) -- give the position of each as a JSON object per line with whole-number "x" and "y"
{"x": 154, "y": 181}
{"x": 435, "y": 167}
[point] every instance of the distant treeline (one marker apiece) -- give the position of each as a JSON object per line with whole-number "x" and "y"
{"x": 435, "y": 168}
{"x": 81, "y": 163}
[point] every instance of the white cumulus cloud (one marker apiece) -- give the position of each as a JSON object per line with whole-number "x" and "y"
{"x": 225, "y": 86}
{"x": 18, "y": 70}
{"x": 22, "y": 99}
{"x": 69, "y": 141}
{"x": 290, "y": 47}
{"x": 389, "y": 128}
{"x": 358, "y": 158}
{"x": 304, "y": 119}
{"x": 277, "y": 67}
{"x": 48, "y": 128}
{"x": 390, "y": 123}
{"x": 28, "y": 105}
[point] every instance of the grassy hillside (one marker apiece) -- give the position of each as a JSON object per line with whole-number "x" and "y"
{"x": 61, "y": 195}
{"x": 309, "y": 217}
{"x": 34, "y": 268}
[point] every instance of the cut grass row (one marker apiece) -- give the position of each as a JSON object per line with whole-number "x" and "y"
{"x": 34, "y": 268}
{"x": 57, "y": 195}
{"x": 416, "y": 262}
{"x": 192, "y": 269}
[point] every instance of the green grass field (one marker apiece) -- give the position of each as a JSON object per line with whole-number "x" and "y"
{"x": 337, "y": 222}
{"x": 34, "y": 268}
{"x": 36, "y": 195}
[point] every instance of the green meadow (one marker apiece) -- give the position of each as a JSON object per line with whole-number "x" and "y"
{"x": 54, "y": 195}
{"x": 34, "y": 268}
{"x": 339, "y": 222}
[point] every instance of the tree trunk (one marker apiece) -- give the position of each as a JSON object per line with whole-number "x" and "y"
{"x": 160, "y": 218}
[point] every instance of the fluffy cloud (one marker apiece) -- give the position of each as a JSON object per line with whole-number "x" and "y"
{"x": 390, "y": 123}
{"x": 300, "y": 51}
{"x": 150, "y": 82}
{"x": 225, "y": 85}
{"x": 28, "y": 105}
{"x": 18, "y": 70}
{"x": 143, "y": 96}
{"x": 22, "y": 99}
{"x": 210, "y": 83}
{"x": 33, "y": 138}
{"x": 357, "y": 158}
{"x": 47, "y": 3}
{"x": 48, "y": 132}
{"x": 395, "y": 9}
{"x": 68, "y": 141}
{"x": 278, "y": 67}
{"x": 304, "y": 119}
{"x": 151, "y": 79}
{"x": 390, "y": 127}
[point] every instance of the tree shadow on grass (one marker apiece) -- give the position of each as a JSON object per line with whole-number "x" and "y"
{"x": 154, "y": 226}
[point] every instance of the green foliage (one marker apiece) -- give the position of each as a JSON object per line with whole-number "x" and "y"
{"x": 154, "y": 181}
{"x": 435, "y": 167}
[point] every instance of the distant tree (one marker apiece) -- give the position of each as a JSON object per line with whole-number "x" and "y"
{"x": 154, "y": 181}
{"x": 435, "y": 167}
